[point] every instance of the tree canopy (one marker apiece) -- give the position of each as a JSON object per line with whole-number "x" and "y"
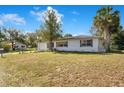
{"x": 106, "y": 22}
{"x": 51, "y": 28}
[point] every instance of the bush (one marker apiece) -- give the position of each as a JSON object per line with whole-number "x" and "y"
{"x": 6, "y": 46}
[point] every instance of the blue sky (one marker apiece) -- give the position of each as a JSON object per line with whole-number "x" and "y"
{"x": 76, "y": 19}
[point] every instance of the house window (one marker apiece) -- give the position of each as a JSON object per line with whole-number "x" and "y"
{"x": 86, "y": 43}
{"x": 62, "y": 44}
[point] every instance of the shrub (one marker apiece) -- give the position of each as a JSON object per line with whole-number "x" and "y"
{"x": 6, "y": 46}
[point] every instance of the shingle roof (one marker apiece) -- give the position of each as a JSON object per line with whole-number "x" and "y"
{"x": 79, "y": 37}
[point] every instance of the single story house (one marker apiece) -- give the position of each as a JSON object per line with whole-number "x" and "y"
{"x": 19, "y": 45}
{"x": 75, "y": 44}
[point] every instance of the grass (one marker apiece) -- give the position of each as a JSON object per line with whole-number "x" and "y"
{"x": 62, "y": 69}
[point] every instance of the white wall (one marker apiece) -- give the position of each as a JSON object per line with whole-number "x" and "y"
{"x": 74, "y": 45}
{"x": 42, "y": 46}
{"x": 20, "y": 45}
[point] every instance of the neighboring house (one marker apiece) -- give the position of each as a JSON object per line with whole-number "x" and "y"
{"x": 19, "y": 46}
{"x": 76, "y": 43}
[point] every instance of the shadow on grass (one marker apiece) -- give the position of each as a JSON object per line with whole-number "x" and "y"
{"x": 117, "y": 51}
{"x": 93, "y": 53}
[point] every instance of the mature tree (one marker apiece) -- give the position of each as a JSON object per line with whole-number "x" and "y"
{"x": 51, "y": 29}
{"x": 12, "y": 35}
{"x": 118, "y": 39}
{"x": 2, "y": 35}
{"x": 31, "y": 39}
{"x": 68, "y": 35}
{"x": 39, "y": 35}
{"x": 107, "y": 21}
{"x": 96, "y": 32}
{"x": 22, "y": 38}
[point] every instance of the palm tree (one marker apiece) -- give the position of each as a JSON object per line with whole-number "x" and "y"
{"x": 107, "y": 21}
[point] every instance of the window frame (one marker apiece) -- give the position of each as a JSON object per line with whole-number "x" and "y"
{"x": 86, "y": 43}
{"x": 62, "y": 44}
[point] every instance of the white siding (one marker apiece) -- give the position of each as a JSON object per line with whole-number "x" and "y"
{"x": 74, "y": 45}
{"x": 19, "y": 45}
{"x": 42, "y": 46}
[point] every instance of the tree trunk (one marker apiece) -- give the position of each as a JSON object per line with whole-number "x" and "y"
{"x": 107, "y": 38}
{"x": 13, "y": 45}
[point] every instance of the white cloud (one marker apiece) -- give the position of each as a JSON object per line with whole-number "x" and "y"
{"x": 14, "y": 18}
{"x": 75, "y": 13}
{"x": 40, "y": 14}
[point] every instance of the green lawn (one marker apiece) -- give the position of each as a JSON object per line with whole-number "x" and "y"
{"x": 62, "y": 69}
